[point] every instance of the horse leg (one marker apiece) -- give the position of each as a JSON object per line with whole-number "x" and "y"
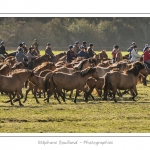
{"x": 34, "y": 92}
{"x": 77, "y": 93}
{"x": 27, "y": 91}
{"x": 71, "y": 92}
{"x": 114, "y": 94}
{"x": 119, "y": 93}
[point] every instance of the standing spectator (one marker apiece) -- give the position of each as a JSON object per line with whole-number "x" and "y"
{"x": 36, "y": 46}
{"x": 134, "y": 54}
{"x": 130, "y": 50}
{"x": 90, "y": 50}
{"x": 70, "y": 54}
{"x": 76, "y": 48}
{"x": 3, "y": 52}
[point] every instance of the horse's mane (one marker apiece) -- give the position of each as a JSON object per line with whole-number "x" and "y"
{"x": 43, "y": 65}
{"x": 19, "y": 71}
{"x": 80, "y": 66}
{"x": 136, "y": 68}
{"x": 61, "y": 54}
{"x": 92, "y": 61}
{"x": 87, "y": 71}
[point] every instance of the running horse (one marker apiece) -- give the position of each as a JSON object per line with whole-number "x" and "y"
{"x": 16, "y": 81}
{"x": 123, "y": 81}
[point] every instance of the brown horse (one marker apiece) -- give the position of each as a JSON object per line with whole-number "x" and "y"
{"x": 40, "y": 60}
{"x": 119, "y": 57}
{"x": 5, "y": 70}
{"x": 97, "y": 84}
{"x": 59, "y": 56}
{"x": 123, "y": 81}
{"x": 101, "y": 56}
{"x": 18, "y": 65}
{"x": 14, "y": 84}
{"x": 73, "y": 81}
{"x": 43, "y": 66}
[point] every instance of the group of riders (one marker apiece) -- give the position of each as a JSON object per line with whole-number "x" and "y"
{"x": 133, "y": 53}
{"x": 26, "y": 56}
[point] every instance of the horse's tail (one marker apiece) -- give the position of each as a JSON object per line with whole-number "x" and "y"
{"x": 106, "y": 85}
{"x": 47, "y": 80}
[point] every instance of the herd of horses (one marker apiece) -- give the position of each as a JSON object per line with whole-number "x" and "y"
{"x": 82, "y": 75}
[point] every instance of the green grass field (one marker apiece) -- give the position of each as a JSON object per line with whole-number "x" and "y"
{"x": 93, "y": 117}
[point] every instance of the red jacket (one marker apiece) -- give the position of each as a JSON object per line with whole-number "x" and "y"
{"x": 114, "y": 52}
{"x": 146, "y": 56}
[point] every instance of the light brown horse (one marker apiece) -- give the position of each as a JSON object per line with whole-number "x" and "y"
{"x": 123, "y": 81}
{"x": 14, "y": 84}
{"x": 43, "y": 66}
{"x": 73, "y": 81}
{"x": 40, "y": 60}
{"x": 119, "y": 57}
{"x": 101, "y": 56}
{"x": 5, "y": 70}
{"x": 59, "y": 56}
{"x": 18, "y": 65}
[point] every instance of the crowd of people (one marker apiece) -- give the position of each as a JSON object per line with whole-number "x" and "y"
{"x": 26, "y": 56}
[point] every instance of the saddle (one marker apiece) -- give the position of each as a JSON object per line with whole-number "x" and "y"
{"x": 147, "y": 65}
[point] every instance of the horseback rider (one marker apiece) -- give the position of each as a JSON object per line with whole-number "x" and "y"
{"x": 48, "y": 51}
{"x": 31, "y": 56}
{"x": 20, "y": 56}
{"x": 84, "y": 44}
{"x": 25, "y": 50}
{"x": 114, "y": 53}
{"x": 146, "y": 55}
{"x": 76, "y": 48}
{"x": 130, "y": 50}
{"x": 20, "y": 46}
{"x": 70, "y": 54}
{"x": 3, "y": 52}
{"x": 81, "y": 53}
{"x": 90, "y": 50}
{"x": 134, "y": 54}
{"x": 36, "y": 46}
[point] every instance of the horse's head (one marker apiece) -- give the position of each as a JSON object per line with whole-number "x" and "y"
{"x": 104, "y": 54}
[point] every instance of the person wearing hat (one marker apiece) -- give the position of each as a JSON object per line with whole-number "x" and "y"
{"x": 130, "y": 49}
{"x": 146, "y": 55}
{"x": 81, "y": 53}
{"x": 70, "y": 54}
{"x": 48, "y": 51}
{"x": 3, "y": 52}
{"x": 76, "y": 48}
{"x": 84, "y": 44}
{"x": 20, "y": 56}
{"x": 90, "y": 50}
{"x": 25, "y": 50}
{"x": 20, "y": 46}
{"x": 31, "y": 57}
{"x": 134, "y": 54}
{"x": 114, "y": 53}
{"x": 36, "y": 46}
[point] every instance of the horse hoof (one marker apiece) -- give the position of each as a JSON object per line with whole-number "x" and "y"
{"x": 21, "y": 105}
{"x": 115, "y": 101}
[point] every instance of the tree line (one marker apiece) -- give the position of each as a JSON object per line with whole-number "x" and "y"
{"x": 103, "y": 32}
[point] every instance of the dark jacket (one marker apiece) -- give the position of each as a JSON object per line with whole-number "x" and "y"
{"x": 20, "y": 56}
{"x": 2, "y": 50}
{"x": 81, "y": 54}
{"x": 49, "y": 51}
{"x": 90, "y": 52}
{"x": 70, "y": 56}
